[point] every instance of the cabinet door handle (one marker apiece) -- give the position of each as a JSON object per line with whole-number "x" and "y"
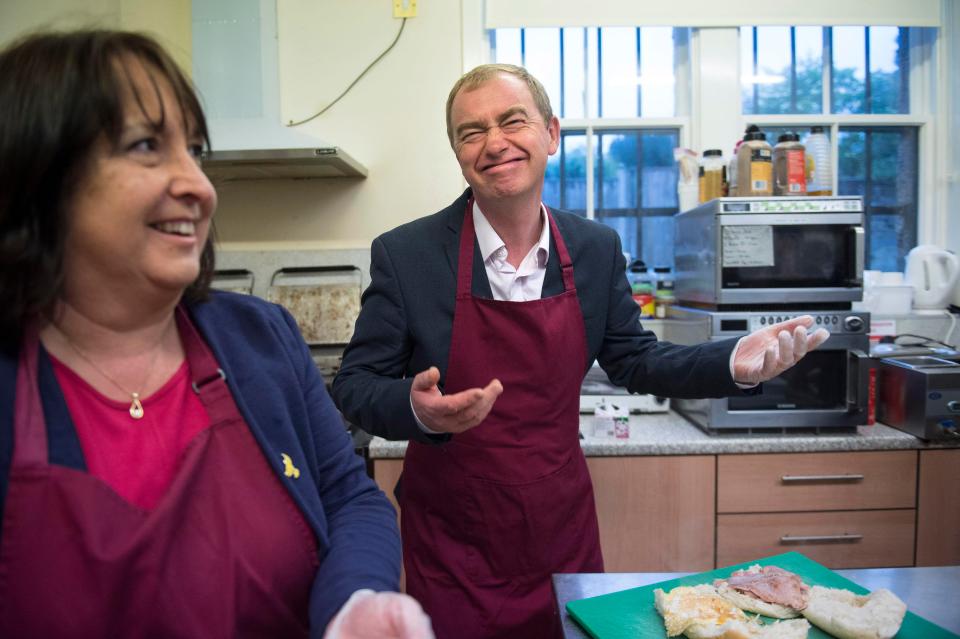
{"x": 801, "y": 539}
{"x": 786, "y": 479}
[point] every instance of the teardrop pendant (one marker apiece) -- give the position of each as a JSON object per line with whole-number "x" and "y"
{"x": 136, "y": 408}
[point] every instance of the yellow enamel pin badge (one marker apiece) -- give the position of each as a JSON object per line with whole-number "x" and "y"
{"x": 289, "y": 470}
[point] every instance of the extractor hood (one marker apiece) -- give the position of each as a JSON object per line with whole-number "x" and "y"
{"x": 235, "y": 68}
{"x": 298, "y": 163}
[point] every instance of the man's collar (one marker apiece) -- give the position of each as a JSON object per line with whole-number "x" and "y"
{"x": 490, "y": 241}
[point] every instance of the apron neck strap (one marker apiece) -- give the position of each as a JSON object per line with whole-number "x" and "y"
{"x": 465, "y": 260}
{"x": 30, "y": 432}
{"x": 206, "y": 375}
{"x": 566, "y": 264}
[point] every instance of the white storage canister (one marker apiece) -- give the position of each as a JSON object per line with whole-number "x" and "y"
{"x": 819, "y": 171}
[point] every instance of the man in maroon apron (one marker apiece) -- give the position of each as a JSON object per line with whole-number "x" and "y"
{"x": 474, "y": 336}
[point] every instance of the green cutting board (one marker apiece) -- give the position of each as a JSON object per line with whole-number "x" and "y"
{"x": 631, "y": 613}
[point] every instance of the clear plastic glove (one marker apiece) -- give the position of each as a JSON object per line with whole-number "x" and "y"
{"x": 380, "y": 615}
{"x": 450, "y": 413}
{"x": 767, "y": 352}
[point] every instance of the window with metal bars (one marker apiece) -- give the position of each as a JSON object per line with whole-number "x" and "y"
{"x": 593, "y": 76}
{"x": 607, "y": 83}
{"x": 784, "y": 69}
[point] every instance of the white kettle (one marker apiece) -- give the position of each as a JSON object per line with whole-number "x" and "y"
{"x": 933, "y": 272}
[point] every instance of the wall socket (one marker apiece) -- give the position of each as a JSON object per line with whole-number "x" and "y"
{"x": 404, "y": 8}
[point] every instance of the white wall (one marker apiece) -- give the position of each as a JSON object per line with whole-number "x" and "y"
{"x": 168, "y": 21}
{"x": 392, "y": 121}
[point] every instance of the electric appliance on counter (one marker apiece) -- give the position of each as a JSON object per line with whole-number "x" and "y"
{"x": 884, "y": 349}
{"x": 597, "y": 389}
{"x": 826, "y": 391}
{"x": 750, "y": 251}
{"x": 933, "y": 273}
{"x": 920, "y": 395}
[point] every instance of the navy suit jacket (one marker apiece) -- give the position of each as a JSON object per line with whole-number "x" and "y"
{"x": 284, "y": 401}
{"x": 406, "y": 320}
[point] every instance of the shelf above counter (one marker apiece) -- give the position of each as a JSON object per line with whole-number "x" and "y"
{"x": 280, "y": 164}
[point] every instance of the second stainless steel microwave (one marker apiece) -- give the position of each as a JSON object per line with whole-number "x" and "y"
{"x": 784, "y": 250}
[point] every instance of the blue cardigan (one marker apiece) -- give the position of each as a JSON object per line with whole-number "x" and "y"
{"x": 282, "y": 397}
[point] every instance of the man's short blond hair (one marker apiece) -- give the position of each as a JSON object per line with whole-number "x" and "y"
{"x": 482, "y": 74}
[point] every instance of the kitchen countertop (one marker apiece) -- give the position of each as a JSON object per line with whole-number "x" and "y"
{"x": 922, "y": 589}
{"x": 671, "y": 434}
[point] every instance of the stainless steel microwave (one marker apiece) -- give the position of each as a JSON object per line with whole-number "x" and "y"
{"x": 763, "y": 251}
{"x": 828, "y": 390}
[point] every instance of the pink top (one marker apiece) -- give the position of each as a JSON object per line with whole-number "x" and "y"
{"x": 138, "y": 458}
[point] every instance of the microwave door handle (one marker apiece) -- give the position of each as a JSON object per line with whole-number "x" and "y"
{"x": 858, "y": 255}
{"x": 858, "y": 381}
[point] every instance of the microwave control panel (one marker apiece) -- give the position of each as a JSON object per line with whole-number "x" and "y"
{"x": 836, "y": 322}
{"x": 697, "y": 325}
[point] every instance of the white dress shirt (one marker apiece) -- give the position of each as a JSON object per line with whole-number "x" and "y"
{"x": 506, "y": 282}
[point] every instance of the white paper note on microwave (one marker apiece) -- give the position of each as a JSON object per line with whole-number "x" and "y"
{"x": 748, "y": 245}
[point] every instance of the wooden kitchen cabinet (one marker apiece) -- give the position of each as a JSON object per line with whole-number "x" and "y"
{"x": 845, "y": 510}
{"x": 816, "y": 481}
{"x": 837, "y": 539}
{"x": 386, "y": 472}
{"x": 938, "y": 509}
{"x": 656, "y": 513}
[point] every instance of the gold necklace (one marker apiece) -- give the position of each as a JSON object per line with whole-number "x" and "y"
{"x": 136, "y": 407}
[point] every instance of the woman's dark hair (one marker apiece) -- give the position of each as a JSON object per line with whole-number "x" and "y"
{"x": 58, "y": 93}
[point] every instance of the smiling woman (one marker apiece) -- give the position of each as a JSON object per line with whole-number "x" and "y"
{"x": 147, "y": 450}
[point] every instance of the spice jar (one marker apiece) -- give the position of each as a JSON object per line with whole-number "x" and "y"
{"x": 789, "y": 166}
{"x": 713, "y": 167}
{"x": 754, "y": 164}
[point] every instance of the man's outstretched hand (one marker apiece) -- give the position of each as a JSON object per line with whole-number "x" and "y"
{"x": 451, "y": 413}
{"x": 767, "y": 352}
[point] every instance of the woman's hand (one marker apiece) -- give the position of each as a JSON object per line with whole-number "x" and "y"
{"x": 380, "y": 615}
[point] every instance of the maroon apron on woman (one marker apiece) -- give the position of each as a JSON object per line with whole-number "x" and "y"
{"x": 226, "y": 552}
{"x": 488, "y": 516}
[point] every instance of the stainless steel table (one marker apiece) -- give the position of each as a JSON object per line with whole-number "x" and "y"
{"x": 928, "y": 592}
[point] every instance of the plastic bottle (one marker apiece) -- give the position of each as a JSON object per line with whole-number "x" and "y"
{"x": 712, "y": 165}
{"x": 663, "y": 294}
{"x": 636, "y": 274}
{"x": 641, "y": 287}
{"x": 789, "y": 166}
{"x": 732, "y": 171}
{"x": 819, "y": 171}
{"x": 754, "y": 164}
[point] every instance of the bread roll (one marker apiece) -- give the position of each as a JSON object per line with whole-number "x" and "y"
{"x": 752, "y": 604}
{"x": 767, "y": 590}
{"x": 849, "y": 616}
{"x": 788, "y": 629}
{"x": 698, "y": 612}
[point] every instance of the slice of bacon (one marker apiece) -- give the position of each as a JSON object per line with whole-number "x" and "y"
{"x": 773, "y": 585}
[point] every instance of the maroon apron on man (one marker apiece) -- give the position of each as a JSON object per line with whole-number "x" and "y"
{"x": 226, "y": 552}
{"x": 488, "y": 516}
